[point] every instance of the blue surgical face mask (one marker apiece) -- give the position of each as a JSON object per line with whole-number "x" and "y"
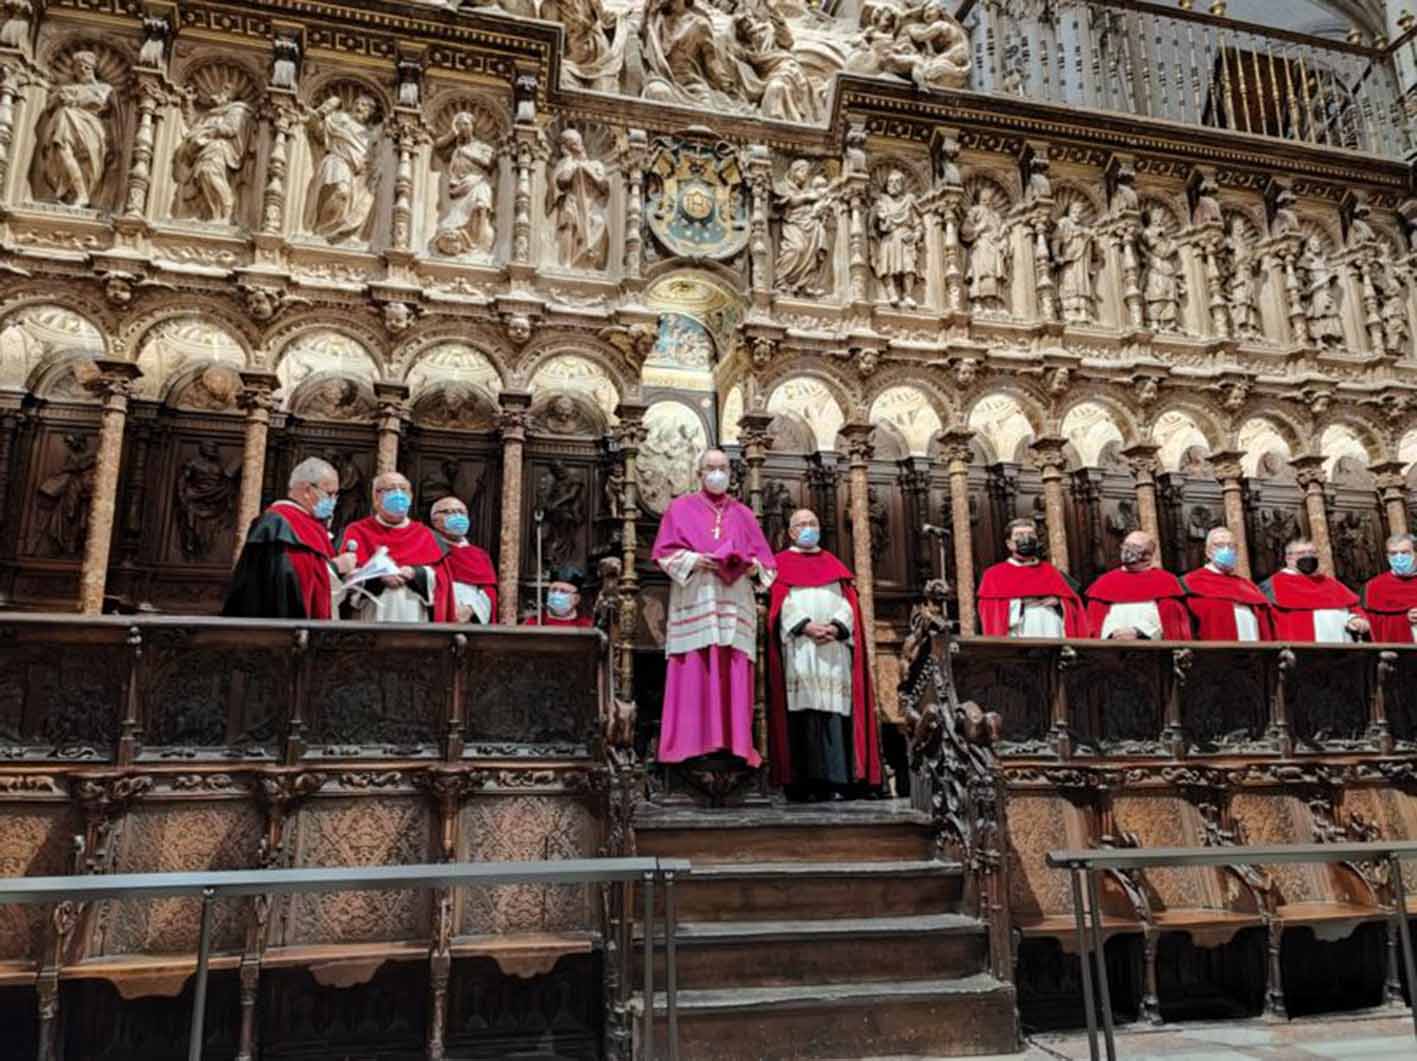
{"x": 325, "y": 507}
{"x": 456, "y": 524}
{"x": 808, "y": 537}
{"x": 1402, "y": 563}
{"x": 1225, "y": 558}
{"x": 396, "y": 503}
{"x": 558, "y": 602}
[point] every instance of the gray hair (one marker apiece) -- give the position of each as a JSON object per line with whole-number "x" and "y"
{"x": 1397, "y": 539}
{"x": 310, "y": 471}
{"x": 705, "y": 456}
{"x": 1211, "y": 534}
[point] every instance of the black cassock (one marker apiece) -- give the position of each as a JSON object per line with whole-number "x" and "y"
{"x": 265, "y": 584}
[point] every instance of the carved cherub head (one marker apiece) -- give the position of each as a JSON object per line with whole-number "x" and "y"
{"x": 398, "y": 317}
{"x": 518, "y": 328}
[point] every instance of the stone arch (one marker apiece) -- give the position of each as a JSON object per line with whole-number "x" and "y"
{"x": 1002, "y": 424}
{"x": 1203, "y": 416}
{"x": 1338, "y": 442}
{"x": 812, "y": 400}
{"x": 545, "y": 348}
{"x": 217, "y": 314}
{"x": 911, "y": 415}
{"x": 176, "y": 343}
{"x": 1090, "y": 427}
{"x": 578, "y": 375}
{"x": 451, "y": 361}
{"x": 1268, "y": 445}
{"x": 36, "y": 335}
{"x": 329, "y": 354}
{"x": 278, "y": 341}
{"x": 1371, "y": 438}
{"x": 1129, "y": 432}
{"x": 941, "y": 400}
{"x": 1180, "y": 436}
{"x": 824, "y": 371}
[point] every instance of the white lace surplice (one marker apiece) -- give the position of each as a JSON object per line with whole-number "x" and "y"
{"x": 402, "y": 605}
{"x": 1143, "y": 615}
{"x": 703, "y": 611}
{"x": 818, "y": 677}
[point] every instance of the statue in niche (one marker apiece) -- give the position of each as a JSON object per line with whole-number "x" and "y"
{"x": 1360, "y": 232}
{"x": 940, "y": 44}
{"x": 778, "y": 507}
{"x": 336, "y": 398}
{"x": 1207, "y": 207}
{"x": 1325, "y": 326}
{"x": 346, "y": 180}
{"x": 1356, "y": 545}
{"x": 62, "y": 503}
{"x": 594, "y": 54}
{"x": 1124, "y": 520}
{"x": 467, "y": 224}
{"x": 1162, "y": 290}
{"x": 352, "y": 501}
{"x": 579, "y": 190}
{"x": 899, "y": 231}
{"x": 1278, "y": 527}
{"x": 682, "y": 60}
{"x": 990, "y": 253}
{"x": 72, "y": 152}
{"x": 1074, "y": 254}
{"x": 15, "y": 28}
{"x": 453, "y": 478}
{"x": 1392, "y": 307}
{"x": 211, "y": 155}
{"x": 562, "y": 417}
{"x": 205, "y": 491}
{"x": 561, "y": 498}
{"x": 215, "y": 390}
{"x": 880, "y": 516}
{"x": 770, "y": 74}
{"x": 804, "y": 250}
{"x": 1240, "y": 281}
{"x": 1124, "y": 191}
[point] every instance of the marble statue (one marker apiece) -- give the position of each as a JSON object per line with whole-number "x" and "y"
{"x": 804, "y": 251}
{"x": 940, "y": 44}
{"x": 1392, "y": 308}
{"x": 579, "y": 190}
{"x": 1240, "y": 282}
{"x": 210, "y": 157}
{"x": 987, "y": 239}
{"x": 1360, "y": 232}
{"x": 594, "y": 55}
{"x": 15, "y": 29}
{"x": 770, "y": 74}
{"x": 1074, "y": 251}
{"x": 1207, "y": 207}
{"x": 876, "y": 50}
{"x": 346, "y": 180}
{"x": 466, "y": 225}
{"x": 1325, "y": 325}
{"x": 1286, "y": 218}
{"x": 72, "y": 138}
{"x": 682, "y": 59}
{"x": 1162, "y": 289}
{"x": 899, "y": 231}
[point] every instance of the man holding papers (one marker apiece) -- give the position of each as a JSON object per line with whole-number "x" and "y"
{"x": 404, "y": 555}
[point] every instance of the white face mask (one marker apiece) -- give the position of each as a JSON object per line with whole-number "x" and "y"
{"x": 716, "y": 481}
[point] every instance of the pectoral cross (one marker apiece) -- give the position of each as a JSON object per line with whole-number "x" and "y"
{"x": 718, "y": 525}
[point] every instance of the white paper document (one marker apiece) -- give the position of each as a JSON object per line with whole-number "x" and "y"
{"x": 380, "y": 565}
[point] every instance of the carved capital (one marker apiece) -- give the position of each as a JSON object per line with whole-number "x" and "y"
{"x": 112, "y": 381}
{"x": 955, "y": 448}
{"x": 1143, "y": 459}
{"x": 856, "y": 435}
{"x": 1228, "y": 466}
{"x": 1048, "y": 452}
{"x": 1390, "y": 479}
{"x": 515, "y": 416}
{"x": 1309, "y": 472}
{"x": 257, "y": 395}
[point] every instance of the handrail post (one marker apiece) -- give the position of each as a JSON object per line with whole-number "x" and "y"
{"x": 1404, "y": 929}
{"x": 670, "y": 970}
{"x": 199, "y": 990}
{"x": 1103, "y": 990}
{"x": 1085, "y": 960}
{"x": 649, "y": 967}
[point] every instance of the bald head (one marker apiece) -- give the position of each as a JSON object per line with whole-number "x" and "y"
{"x": 393, "y": 496}
{"x": 1138, "y": 551}
{"x": 714, "y": 471}
{"x": 804, "y": 529}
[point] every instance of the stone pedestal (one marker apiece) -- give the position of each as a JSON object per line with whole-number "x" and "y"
{"x": 956, "y": 453}
{"x": 1231, "y": 474}
{"x": 113, "y": 383}
{"x": 512, "y": 424}
{"x": 1309, "y": 471}
{"x": 257, "y": 399}
{"x": 1048, "y": 451}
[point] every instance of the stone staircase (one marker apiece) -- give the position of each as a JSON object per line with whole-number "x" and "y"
{"x": 823, "y": 931}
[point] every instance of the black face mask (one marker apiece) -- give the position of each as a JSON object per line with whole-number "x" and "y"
{"x": 1026, "y": 547}
{"x": 1307, "y": 565}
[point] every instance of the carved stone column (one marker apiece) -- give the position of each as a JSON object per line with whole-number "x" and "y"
{"x": 257, "y": 399}
{"x": 754, "y": 438}
{"x": 1041, "y": 223}
{"x": 857, "y": 185}
{"x": 1229, "y": 471}
{"x": 113, "y": 384}
{"x": 637, "y": 146}
{"x": 1048, "y": 451}
{"x": 393, "y": 410}
{"x": 151, "y": 95}
{"x": 759, "y": 241}
{"x": 512, "y": 424}
{"x": 409, "y": 133}
{"x": 1392, "y": 492}
{"x": 283, "y": 112}
{"x": 1144, "y": 464}
{"x": 630, "y": 435}
{"x": 12, "y": 82}
{"x": 527, "y": 145}
{"x": 1309, "y": 471}
{"x": 956, "y": 453}
{"x": 859, "y": 450}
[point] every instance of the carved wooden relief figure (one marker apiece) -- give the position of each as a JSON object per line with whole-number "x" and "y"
{"x": 62, "y": 503}
{"x": 560, "y": 495}
{"x": 206, "y": 493}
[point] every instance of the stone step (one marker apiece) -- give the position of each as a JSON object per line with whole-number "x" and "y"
{"x": 749, "y": 954}
{"x": 969, "y": 1016}
{"x": 777, "y": 891}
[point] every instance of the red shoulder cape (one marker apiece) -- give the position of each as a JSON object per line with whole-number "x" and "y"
{"x": 471, "y": 565}
{"x": 1295, "y": 598}
{"x": 1121, "y": 586}
{"x": 1387, "y": 599}
{"x": 311, "y": 564}
{"x": 1004, "y": 582}
{"x": 806, "y": 570}
{"x": 1211, "y": 598}
{"x": 547, "y": 619}
{"x": 412, "y": 545}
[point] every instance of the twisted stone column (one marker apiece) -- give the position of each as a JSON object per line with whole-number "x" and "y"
{"x": 859, "y": 450}
{"x": 393, "y": 409}
{"x": 113, "y": 384}
{"x": 1309, "y": 471}
{"x": 1048, "y": 451}
{"x": 1229, "y": 471}
{"x": 258, "y": 399}
{"x": 1144, "y": 464}
{"x": 512, "y": 424}
{"x": 956, "y": 453}
{"x": 1392, "y": 491}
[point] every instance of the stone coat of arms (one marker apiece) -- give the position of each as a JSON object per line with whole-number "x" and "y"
{"x": 698, "y": 199}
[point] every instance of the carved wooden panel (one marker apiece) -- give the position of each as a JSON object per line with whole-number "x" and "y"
{"x": 492, "y": 1016}
{"x": 1282, "y": 818}
{"x": 518, "y": 828}
{"x": 1330, "y": 700}
{"x": 1041, "y": 823}
{"x": 1356, "y": 530}
{"x": 226, "y": 700}
{"x": 1189, "y": 507}
{"x": 529, "y": 698}
{"x": 57, "y": 497}
{"x": 441, "y": 464}
{"x": 63, "y": 704}
{"x": 785, "y": 489}
{"x": 1402, "y": 699}
{"x": 1161, "y": 819}
{"x": 1017, "y": 691}
{"x": 385, "y": 1017}
{"x": 1274, "y": 517}
{"x": 101, "y": 1025}
{"x": 350, "y": 448}
{"x": 38, "y": 842}
{"x": 202, "y": 479}
{"x": 566, "y": 487}
{"x": 1116, "y": 700}
{"x": 367, "y": 701}
{"x": 347, "y": 831}
{"x": 1223, "y": 703}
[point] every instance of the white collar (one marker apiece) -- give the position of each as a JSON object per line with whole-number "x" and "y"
{"x": 392, "y": 526}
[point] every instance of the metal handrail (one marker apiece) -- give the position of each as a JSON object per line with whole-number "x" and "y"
{"x": 224, "y": 884}
{"x": 1088, "y": 861}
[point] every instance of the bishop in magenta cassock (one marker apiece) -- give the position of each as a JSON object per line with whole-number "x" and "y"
{"x": 1138, "y": 600}
{"x": 563, "y": 600}
{"x": 1310, "y": 606}
{"x": 468, "y": 568}
{"x": 416, "y": 593}
{"x": 1224, "y": 605}
{"x": 822, "y": 739}
{"x": 1025, "y": 596}
{"x": 712, "y": 549}
{"x": 288, "y": 568}
{"x": 1390, "y": 599}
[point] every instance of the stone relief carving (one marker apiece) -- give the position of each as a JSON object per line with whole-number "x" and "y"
{"x": 921, "y": 43}
{"x": 898, "y": 257}
{"x": 770, "y": 74}
{"x": 577, "y": 194}
{"x": 344, "y": 132}
{"x": 332, "y": 398}
{"x": 1241, "y": 265}
{"x": 217, "y": 143}
{"x": 62, "y": 503}
{"x": 1075, "y": 257}
{"x": 674, "y": 439}
{"x": 215, "y": 390}
{"x": 682, "y": 60}
{"x": 1392, "y": 295}
{"x": 563, "y": 414}
{"x": 1161, "y": 261}
{"x": 466, "y": 219}
{"x": 990, "y": 252}
{"x": 1320, "y": 294}
{"x": 809, "y": 222}
{"x": 596, "y": 39}
{"x": 455, "y": 405}
{"x": 76, "y": 138}
{"x": 205, "y": 493}
{"x": 15, "y": 28}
